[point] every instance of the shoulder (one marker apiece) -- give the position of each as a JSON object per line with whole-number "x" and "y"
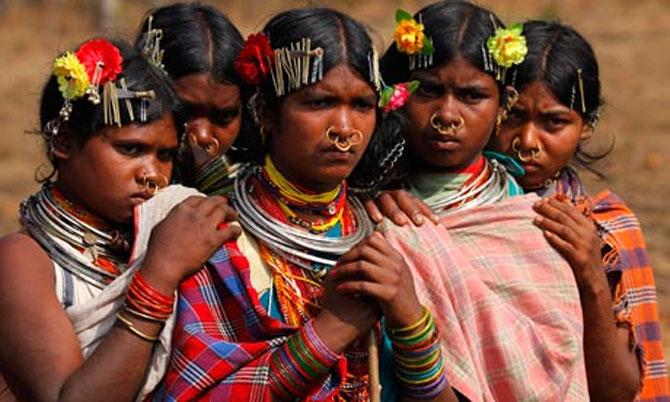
{"x": 22, "y": 260}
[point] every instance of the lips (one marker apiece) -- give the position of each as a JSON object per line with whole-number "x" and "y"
{"x": 443, "y": 144}
{"x": 140, "y": 197}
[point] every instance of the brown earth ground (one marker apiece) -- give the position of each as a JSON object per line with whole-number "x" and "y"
{"x": 631, "y": 38}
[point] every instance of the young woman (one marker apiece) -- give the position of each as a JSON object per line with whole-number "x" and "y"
{"x": 196, "y": 45}
{"x": 79, "y": 321}
{"x": 557, "y": 112}
{"x": 280, "y": 310}
{"x": 451, "y": 115}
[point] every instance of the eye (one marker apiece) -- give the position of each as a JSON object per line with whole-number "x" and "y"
{"x": 472, "y": 95}
{"x": 224, "y": 117}
{"x": 318, "y": 102}
{"x": 128, "y": 149}
{"x": 363, "y": 104}
{"x": 167, "y": 155}
{"x": 429, "y": 90}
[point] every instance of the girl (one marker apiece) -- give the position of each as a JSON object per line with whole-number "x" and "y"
{"x": 557, "y": 112}
{"x": 196, "y": 45}
{"x": 273, "y": 319}
{"x": 107, "y": 120}
{"x": 443, "y": 52}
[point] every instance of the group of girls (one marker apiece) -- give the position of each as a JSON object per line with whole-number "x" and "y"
{"x": 130, "y": 277}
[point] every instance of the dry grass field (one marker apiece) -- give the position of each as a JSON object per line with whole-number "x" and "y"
{"x": 631, "y": 38}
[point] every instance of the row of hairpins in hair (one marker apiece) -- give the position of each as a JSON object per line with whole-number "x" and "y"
{"x": 301, "y": 65}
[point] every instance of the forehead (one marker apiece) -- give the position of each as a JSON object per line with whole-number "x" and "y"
{"x": 343, "y": 80}
{"x": 201, "y": 89}
{"x": 161, "y": 132}
{"x": 459, "y": 72}
{"x": 539, "y": 94}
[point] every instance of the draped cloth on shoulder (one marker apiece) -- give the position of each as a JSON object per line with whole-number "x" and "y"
{"x": 92, "y": 320}
{"x": 506, "y": 304}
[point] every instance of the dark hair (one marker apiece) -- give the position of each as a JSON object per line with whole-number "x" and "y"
{"x": 199, "y": 39}
{"x": 343, "y": 40}
{"x": 196, "y": 39}
{"x": 87, "y": 118}
{"x": 456, "y": 28}
{"x": 555, "y": 54}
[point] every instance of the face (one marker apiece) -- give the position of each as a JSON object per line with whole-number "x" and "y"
{"x": 341, "y": 107}
{"x": 213, "y": 110}
{"x": 542, "y": 133}
{"x": 107, "y": 172}
{"x": 451, "y": 115}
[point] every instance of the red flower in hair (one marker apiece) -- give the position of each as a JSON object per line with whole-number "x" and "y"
{"x": 255, "y": 60}
{"x": 100, "y": 50}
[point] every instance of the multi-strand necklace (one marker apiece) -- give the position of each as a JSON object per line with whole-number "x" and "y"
{"x": 217, "y": 176}
{"x": 487, "y": 186}
{"x": 54, "y": 222}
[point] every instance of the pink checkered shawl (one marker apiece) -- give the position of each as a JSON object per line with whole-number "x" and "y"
{"x": 506, "y": 303}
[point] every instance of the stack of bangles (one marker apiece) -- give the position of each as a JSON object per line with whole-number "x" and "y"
{"x": 299, "y": 363}
{"x": 418, "y": 358}
{"x": 145, "y": 302}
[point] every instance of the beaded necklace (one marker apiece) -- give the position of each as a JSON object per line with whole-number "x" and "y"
{"x": 292, "y": 198}
{"x": 51, "y": 219}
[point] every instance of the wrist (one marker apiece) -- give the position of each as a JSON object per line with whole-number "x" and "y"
{"x": 160, "y": 276}
{"x": 408, "y": 316}
{"x": 335, "y": 333}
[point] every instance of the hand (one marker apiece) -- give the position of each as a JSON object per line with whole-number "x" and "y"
{"x": 399, "y": 206}
{"x": 186, "y": 238}
{"x": 374, "y": 269}
{"x": 574, "y": 236}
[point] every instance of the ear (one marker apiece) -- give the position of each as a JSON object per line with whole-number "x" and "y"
{"x": 587, "y": 131}
{"x": 63, "y": 145}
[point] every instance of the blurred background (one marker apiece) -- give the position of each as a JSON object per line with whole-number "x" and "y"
{"x": 630, "y": 37}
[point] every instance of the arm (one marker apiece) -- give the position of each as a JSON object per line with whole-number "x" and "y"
{"x": 606, "y": 346}
{"x": 40, "y": 355}
{"x": 374, "y": 269}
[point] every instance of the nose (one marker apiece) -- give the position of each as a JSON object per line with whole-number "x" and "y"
{"x": 151, "y": 177}
{"x": 448, "y": 113}
{"x": 529, "y": 139}
{"x": 200, "y": 133}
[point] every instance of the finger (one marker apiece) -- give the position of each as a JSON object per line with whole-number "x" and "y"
{"x": 555, "y": 209}
{"x": 364, "y": 288}
{"x": 563, "y": 247}
{"x": 230, "y": 232}
{"x": 561, "y": 230}
{"x": 548, "y": 210}
{"x": 373, "y": 211}
{"x": 389, "y": 208}
{"x": 380, "y": 244}
{"x": 409, "y": 205}
{"x": 358, "y": 270}
{"x": 571, "y": 211}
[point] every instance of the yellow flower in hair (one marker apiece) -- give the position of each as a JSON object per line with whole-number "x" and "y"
{"x": 71, "y": 75}
{"x": 409, "y": 37}
{"x": 508, "y": 46}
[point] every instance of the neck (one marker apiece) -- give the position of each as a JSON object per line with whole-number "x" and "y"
{"x": 71, "y": 204}
{"x": 474, "y": 166}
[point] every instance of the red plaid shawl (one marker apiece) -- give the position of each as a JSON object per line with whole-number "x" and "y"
{"x": 506, "y": 303}
{"x": 224, "y": 339}
{"x": 635, "y": 293}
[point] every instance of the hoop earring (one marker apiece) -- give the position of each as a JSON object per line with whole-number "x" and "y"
{"x": 212, "y": 147}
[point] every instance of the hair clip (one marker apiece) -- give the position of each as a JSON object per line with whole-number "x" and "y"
{"x": 581, "y": 89}
{"x": 374, "y": 75}
{"x": 152, "y": 45}
{"x": 299, "y": 64}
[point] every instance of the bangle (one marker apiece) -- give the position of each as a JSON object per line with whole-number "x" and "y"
{"x": 425, "y": 316}
{"x": 131, "y": 327}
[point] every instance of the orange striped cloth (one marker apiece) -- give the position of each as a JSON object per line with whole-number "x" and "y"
{"x": 636, "y": 304}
